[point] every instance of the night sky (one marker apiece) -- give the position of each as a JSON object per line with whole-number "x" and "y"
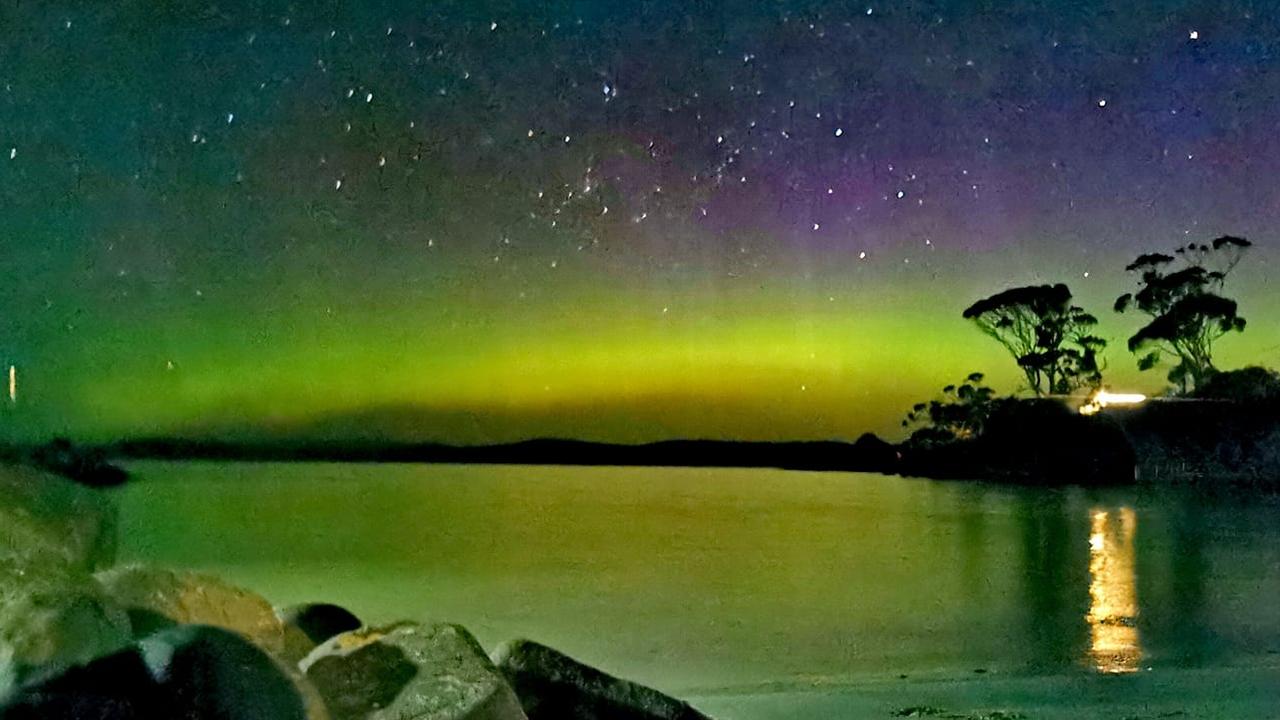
{"x": 473, "y": 221}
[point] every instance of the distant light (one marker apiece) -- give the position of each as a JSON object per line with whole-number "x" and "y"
{"x": 1102, "y": 102}
{"x": 839, "y": 132}
{"x": 1194, "y": 34}
{"x": 1107, "y": 398}
{"x": 1102, "y": 399}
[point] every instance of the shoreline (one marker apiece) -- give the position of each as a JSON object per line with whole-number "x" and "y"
{"x": 1235, "y": 691}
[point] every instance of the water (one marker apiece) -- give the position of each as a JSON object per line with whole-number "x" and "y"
{"x": 717, "y": 581}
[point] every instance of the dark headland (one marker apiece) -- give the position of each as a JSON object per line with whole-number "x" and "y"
{"x": 1040, "y": 442}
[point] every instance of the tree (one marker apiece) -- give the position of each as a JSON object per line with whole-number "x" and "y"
{"x": 961, "y": 413}
{"x": 1049, "y": 337}
{"x": 1188, "y": 315}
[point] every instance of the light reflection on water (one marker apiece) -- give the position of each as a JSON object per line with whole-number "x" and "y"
{"x": 1115, "y": 646}
{"x": 713, "y": 578}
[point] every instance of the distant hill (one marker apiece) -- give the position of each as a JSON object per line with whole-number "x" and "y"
{"x": 627, "y": 421}
{"x": 868, "y": 454}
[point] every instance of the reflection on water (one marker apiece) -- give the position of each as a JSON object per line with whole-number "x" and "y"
{"x": 710, "y": 578}
{"x": 1113, "y": 600}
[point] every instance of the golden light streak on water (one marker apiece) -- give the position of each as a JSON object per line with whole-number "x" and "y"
{"x": 1115, "y": 646}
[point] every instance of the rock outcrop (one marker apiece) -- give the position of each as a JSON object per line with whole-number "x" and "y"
{"x": 47, "y": 519}
{"x": 51, "y": 619}
{"x": 409, "y": 672}
{"x": 53, "y": 614}
{"x": 554, "y": 686}
{"x": 139, "y": 643}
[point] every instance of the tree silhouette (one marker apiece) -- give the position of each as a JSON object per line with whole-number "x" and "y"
{"x": 1049, "y": 337}
{"x": 961, "y": 413}
{"x": 1181, "y": 296}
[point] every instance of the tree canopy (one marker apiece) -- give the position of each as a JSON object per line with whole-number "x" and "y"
{"x": 961, "y": 413}
{"x": 1050, "y": 338}
{"x": 1188, "y": 314}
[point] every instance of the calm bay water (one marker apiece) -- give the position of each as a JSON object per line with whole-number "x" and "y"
{"x": 706, "y": 580}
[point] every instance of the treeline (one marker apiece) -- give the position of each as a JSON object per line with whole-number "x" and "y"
{"x": 1211, "y": 426}
{"x": 1054, "y": 343}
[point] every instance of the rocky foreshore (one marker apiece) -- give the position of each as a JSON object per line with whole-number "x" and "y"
{"x": 81, "y": 637}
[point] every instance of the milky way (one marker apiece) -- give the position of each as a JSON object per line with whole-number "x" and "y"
{"x": 482, "y": 221}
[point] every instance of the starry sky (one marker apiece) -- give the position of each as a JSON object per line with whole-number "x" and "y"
{"x": 481, "y": 221}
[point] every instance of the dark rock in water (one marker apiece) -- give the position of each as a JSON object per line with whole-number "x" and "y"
{"x": 308, "y": 625}
{"x": 87, "y": 466}
{"x": 554, "y": 686}
{"x": 409, "y": 672}
{"x": 157, "y": 598}
{"x": 191, "y": 672}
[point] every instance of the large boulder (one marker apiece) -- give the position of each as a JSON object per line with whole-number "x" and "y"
{"x": 308, "y": 625}
{"x": 156, "y": 599}
{"x": 51, "y": 618}
{"x": 47, "y": 519}
{"x": 409, "y": 672}
{"x": 53, "y": 614}
{"x": 190, "y": 672}
{"x": 554, "y": 686}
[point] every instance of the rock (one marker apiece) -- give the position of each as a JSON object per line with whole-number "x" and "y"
{"x": 312, "y": 702}
{"x": 49, "y": 519}
{"x": 51, "y": 618}
{"x": 308, "y": 625}
{"x": 409, "y": 672}
{"x": 84, "y": 465}
{"x": 190, "y": 672}
{"x": 156, "y": 598}
{"x": 554, "y": 686}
